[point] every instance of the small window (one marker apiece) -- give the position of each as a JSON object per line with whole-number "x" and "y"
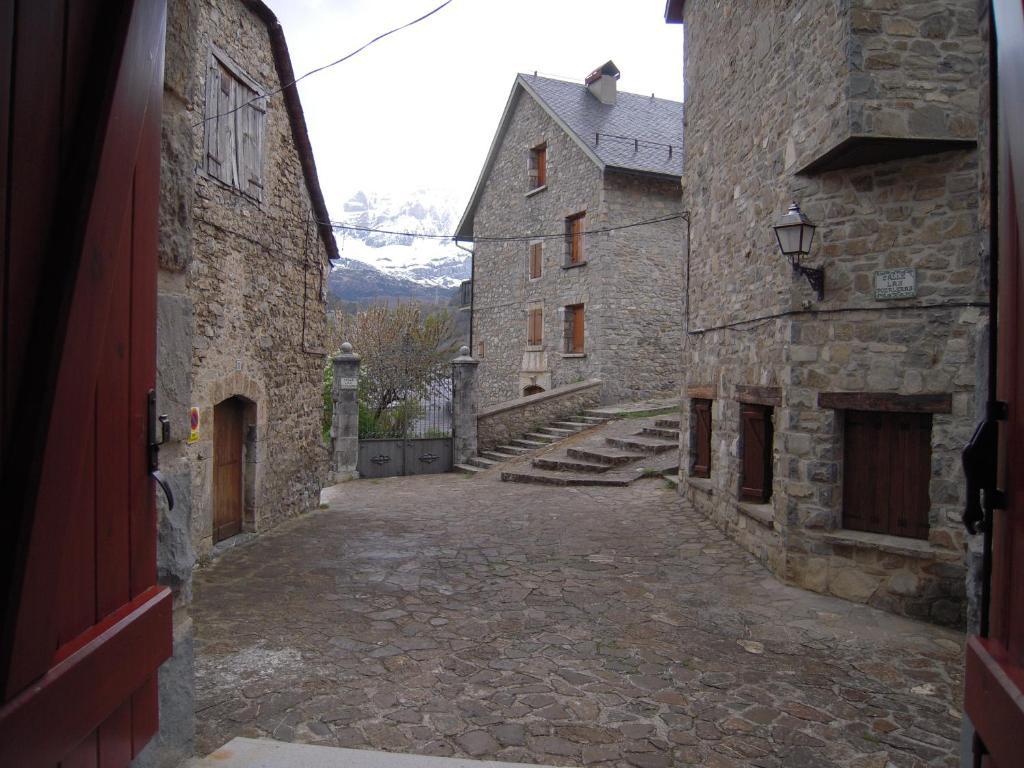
{"x": 536, "y": 260}
{"x": 574, "y": 329}
{"x": 574, "y": 239}
{"x": 535, "y": 327}
{"x": 235, "y": 115}
{"x": 480, "y": 348}
{"x": 700, "y": 437}
{"x": 538, "y": 166}
{"x": 755, "y": 453}
{"x": 887, "y": 463}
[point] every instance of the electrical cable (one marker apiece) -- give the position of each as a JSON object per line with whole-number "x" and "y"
{"x": 346, "y": 57}
{"x": 506, "y": 238}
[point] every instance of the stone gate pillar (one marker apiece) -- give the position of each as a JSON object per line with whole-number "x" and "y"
{"x": 345, "y": 420}
{"x": 464, "y": 406}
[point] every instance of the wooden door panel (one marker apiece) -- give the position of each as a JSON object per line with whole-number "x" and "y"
{"x": 994, "y": 690}
{"x": 87, "y": 627}
{"x": 227, "y": 461}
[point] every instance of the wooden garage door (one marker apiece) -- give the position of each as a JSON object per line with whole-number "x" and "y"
{"x": 85, "y": 626}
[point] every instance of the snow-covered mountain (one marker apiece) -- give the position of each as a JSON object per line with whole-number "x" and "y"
{"x": 429, "y": 262}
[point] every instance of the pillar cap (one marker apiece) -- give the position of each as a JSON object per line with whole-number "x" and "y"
{"x": 464, "y": 356}
{"x": 347, "y": 354}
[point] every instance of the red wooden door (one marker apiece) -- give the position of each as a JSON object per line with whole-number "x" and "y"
{"x": 994, "y": 697}
{"x": 85, "y": 625}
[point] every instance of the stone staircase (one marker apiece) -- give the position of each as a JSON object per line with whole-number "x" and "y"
{"x": 617, "y": 456}
{"x": 532, "y": 441}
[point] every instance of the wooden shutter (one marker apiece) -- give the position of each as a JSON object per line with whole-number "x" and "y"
{"x": 250, "y": 140}
{"x": 214, "y": 153}
{"x": 700, "y": 431}
{"x": 756, "y": 461}
{"x": 536, "y": 259}
{"x": 576, "y": 255}
{"x": 574, "y": 329}
{"x": 542, "y": 165}
{"x": 886, "y": 471}
{"x": 228, "y": 126}
{"x": 535, "y": 329}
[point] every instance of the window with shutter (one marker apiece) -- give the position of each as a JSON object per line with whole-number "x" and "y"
{"x": 574, "y": 329}
{"x": 574, "y": 239}
{"x": 535, "y": 327}
{"x": 700, "y": 437}
{"x": 536, "y": 260}
{"x": 537, "y": 167}
{"x": 755, "y": 453}
{"x": 887, "y": 461}
{"x": 235, "y": 116}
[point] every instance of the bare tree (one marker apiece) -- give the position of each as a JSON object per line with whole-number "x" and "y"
{"x": 405, "y": 352}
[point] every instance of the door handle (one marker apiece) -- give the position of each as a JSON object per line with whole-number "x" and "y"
{"x": 154, "y": 445}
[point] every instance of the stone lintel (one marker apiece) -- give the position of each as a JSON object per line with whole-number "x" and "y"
{"x": 759, "y": 395}
{"x": 884, "y": 401}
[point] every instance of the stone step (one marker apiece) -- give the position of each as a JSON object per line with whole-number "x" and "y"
{"x": 667, "y": 423}
{"x": 645, "y": 444}
{"x": 606, "y": 456}
{"x": 494, "y": 456}
{"x": 668, "y": 434}
{"x": 541, "y": 477}
{"x": 596, "y": 414}
{"x": 242, "y": 752}
{"x": 557, "y": 432}
{"x": 589, "y": 419}
{"x": 469, "y": 469}
{"x": 511, "y": 450}
{"x": 546, "y": 439}
{"x": 563, "y": 464}
{"x": 575, "y": 426}
{"x": 481, "y": 462}
{"x": 522, "y": 442}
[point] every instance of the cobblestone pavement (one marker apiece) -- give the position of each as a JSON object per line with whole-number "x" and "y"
{"x": 464, "y": 616}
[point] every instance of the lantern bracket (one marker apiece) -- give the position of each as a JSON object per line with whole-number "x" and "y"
{"x": 815, "y": 277}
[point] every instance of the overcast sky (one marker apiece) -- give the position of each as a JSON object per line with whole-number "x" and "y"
{"x": 419, "y": 108}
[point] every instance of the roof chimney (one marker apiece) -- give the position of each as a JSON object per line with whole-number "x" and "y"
{"x": 601, "y": 82}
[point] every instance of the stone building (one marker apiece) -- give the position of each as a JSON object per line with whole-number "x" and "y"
{"x": 824, "y": 433}
{"x": 244, "y": 256}
{"x": 569, "y": 162}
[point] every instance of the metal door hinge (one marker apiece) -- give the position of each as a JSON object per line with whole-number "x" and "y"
{"x": 979, "y": 461}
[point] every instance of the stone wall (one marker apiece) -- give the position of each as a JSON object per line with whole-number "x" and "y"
{"x": 257, "y": 280}
{"x": 752, "y": 321}
{"x": 499, "y": 423}
{"x": 629, "y": 285}
{"x": 233, "y": 279}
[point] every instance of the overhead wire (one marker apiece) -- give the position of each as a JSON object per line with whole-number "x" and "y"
{"x": 344, "y": 58}
{"x": 343, "y": 226}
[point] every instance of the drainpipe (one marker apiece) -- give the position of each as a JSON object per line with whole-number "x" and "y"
{"x": 472, "y": 289}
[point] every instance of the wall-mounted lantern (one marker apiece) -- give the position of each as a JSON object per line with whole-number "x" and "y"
{"x": 795, "y": 233}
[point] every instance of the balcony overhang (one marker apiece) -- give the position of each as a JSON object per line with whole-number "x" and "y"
{"x": 859, "y": 150}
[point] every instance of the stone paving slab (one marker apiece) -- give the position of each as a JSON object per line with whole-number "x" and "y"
{"x": 453, "y": 616}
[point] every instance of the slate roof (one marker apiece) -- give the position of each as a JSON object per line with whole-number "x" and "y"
{"x": 635, "y": 132}
{"x": 654, "y": 122}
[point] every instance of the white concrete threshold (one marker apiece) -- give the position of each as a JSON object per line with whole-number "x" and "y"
{"x": 265, "y": 753}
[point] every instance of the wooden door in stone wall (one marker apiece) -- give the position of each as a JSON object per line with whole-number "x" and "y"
{"x": 994, "y": 691}
{"x": 227, "y": 469}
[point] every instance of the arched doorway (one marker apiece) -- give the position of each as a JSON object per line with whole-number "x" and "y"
{"x": 230, "y": 418}
{"x": 533, "y": 389}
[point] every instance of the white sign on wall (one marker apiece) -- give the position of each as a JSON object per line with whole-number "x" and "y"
{"x": 348, "y": 383}
{"x": 895, "y": 283}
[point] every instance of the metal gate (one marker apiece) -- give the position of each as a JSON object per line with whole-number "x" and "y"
{"x": 413, "y": 436}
